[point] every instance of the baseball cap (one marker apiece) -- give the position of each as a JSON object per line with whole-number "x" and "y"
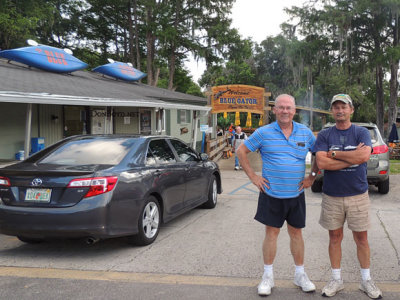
{"x": 342, "y": 97}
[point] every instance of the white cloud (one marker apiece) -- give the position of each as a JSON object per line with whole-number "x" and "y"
{"x": 260, "y": 18}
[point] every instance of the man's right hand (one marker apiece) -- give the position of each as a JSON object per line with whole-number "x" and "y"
{"x": 260, "y": 182}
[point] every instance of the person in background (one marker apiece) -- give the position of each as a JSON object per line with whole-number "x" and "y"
{"x": 343, "y": 151}
{"x": 232, "y": 131}
{"x": 239, "y": 138}
{"x": 283, "y": 146}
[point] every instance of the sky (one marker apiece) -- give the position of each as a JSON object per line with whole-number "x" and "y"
{"x": 256, "y": 19}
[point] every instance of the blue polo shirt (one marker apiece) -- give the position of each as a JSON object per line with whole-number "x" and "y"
{"x": 283, "y": 159}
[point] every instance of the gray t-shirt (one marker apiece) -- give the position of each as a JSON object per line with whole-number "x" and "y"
{"x": 238, "y": 139}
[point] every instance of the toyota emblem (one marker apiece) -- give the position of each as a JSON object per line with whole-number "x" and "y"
{"x": 37, "y": 182}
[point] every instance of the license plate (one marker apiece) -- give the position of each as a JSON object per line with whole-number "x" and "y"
{"x": 38, "y": 195}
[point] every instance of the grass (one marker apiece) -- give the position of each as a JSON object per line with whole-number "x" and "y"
{"x": 394, "y": 166}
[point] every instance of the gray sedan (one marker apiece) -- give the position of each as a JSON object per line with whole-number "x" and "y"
{"x": 102, "y": 186}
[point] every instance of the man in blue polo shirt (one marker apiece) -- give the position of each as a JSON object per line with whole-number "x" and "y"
{"x": 283, "y": 146}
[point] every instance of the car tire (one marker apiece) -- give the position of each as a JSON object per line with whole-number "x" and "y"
{"x": 29, "y": 240}
{"x": 212, "y": 193}
{"x": 383, "y": 186}
{"x": 317, "y": 187}
{"x": 149, "y": 223}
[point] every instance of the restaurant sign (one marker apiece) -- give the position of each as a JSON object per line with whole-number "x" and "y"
{"x": 237, "y": 97}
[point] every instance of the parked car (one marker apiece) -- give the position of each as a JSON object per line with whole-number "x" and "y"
{"x": 103, "y": 186}
{"x": 377, "y": 165}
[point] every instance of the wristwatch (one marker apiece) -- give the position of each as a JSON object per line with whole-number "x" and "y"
{"x": 333, "y": 154}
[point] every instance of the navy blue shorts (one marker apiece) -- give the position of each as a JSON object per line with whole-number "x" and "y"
{"x": 273, "y": 211}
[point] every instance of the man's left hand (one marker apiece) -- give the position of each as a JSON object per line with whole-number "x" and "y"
{"x": 306, "y": 182}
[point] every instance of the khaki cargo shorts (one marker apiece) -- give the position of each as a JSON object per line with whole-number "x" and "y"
{"x": 336, "y": 210}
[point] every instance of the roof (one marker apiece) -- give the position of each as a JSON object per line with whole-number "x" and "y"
{"x": 22, "y": 84}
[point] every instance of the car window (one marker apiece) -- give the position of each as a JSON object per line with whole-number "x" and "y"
{"x": 96, "y": 151}
{"x": 185, "y": 153}
{"x": 372, "y": 132}
{"x": 150, "y": 160}
{"x": 162, "y": 152}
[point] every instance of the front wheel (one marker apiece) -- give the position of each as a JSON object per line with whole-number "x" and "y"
{"x": 149, "y": 223}
{"x": 212, "y": 193}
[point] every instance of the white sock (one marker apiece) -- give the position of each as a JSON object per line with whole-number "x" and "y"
{"x": 365, "y": 274}
{"x": 268, "y": 270}
{"x": 336, "y": 274}
{"x": 299, "y": 270}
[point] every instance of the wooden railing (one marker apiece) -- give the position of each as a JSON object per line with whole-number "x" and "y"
{"x": 215, "y": 147}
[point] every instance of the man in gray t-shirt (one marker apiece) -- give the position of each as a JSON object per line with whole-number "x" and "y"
{"x": 238, "y": 139}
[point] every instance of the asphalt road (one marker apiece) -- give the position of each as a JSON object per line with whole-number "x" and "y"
{"x": 205, "y": 254}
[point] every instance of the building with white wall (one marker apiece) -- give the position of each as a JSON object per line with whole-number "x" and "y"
{"x": 37, "y": 103}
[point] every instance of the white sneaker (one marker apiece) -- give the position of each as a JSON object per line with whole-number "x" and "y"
{"x": 333, "y": 286}
{"x": 301, "y": 280}
{"x": 236, "y": 168}
{"x": 369, "y": 287}
{"x": 265, "y": 286}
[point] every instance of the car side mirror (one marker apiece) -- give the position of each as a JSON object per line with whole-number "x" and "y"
{"x": 203, "y": 156}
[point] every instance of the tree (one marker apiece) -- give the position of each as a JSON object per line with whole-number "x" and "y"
{"x": 393, "y": 54}
{"x": 20, "y": 19}
{"x": 356, "y": 35}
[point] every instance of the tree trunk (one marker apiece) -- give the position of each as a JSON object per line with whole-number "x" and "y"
{"x": 378, "y": 74}
{"x": 394, "y": 88}
{"x": 172, "y": 59}
{"x": 309, "y": 76}
{"x": 131, "y": 35}
{"x": 116, "y": 41}
{"x": 156, "y": 76}
{"x": 171, "y": 70}
{"x": 379, "y": 98}
{"x": 126, "y": 41}
{"x": 150, "y": 46}
{"x": 394, "y": 84}
{"x": 149, "y": 59}
{"x": 138, "y": 57}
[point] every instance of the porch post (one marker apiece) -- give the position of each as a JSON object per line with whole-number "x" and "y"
{"x": 28, "y": 127}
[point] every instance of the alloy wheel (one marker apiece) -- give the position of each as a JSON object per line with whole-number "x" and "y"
{"x": 151, "y": 220}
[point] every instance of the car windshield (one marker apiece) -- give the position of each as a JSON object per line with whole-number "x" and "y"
{"x": 92, "y": 151}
